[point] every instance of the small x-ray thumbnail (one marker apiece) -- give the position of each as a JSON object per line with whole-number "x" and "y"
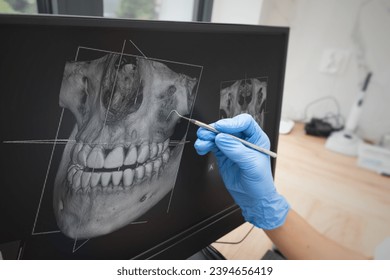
{"x": 244, "y": 96}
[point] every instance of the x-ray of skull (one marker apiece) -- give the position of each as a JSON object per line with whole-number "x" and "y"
{"x": 119, "y": 160}
{"x": 91, "y": 165}
{"x": 244, "y": 96}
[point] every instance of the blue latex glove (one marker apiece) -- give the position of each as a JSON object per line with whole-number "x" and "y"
{"x": 246, "y": 172}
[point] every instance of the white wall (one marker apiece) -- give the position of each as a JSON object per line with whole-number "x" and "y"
{"x": 356, "y": 33}
{"x": 358, "y": 29}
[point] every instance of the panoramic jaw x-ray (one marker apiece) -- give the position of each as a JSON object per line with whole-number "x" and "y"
{"x": 244, "y": 96}
{"x": 118, "y": 162}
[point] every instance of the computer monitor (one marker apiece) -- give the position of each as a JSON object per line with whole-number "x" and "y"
{"x": 92, "y": 164}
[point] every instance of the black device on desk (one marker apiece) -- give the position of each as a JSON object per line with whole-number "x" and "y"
{"x": 91, "y": 167}
{"x": 319, "y": 127}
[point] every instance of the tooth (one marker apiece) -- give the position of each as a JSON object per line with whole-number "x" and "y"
{"x": 153, "y": 150}
{"x": 71, "y": 172}
{"x": 105, "y": 179}
{"x": 128, "y": 176}
{"x": 156, "y": 165}
{"x": 76, "y": 181}
{"x": 131, "y": 157}
{"x": 116, "y": 177}
{"x": 165, "y": 156}
{"x": 115, "y": 158}
{"x": 143, "y": 153}
{"x": 70, "y": 167}
{"x": 148, "y": 169}
{"x": 139, "y": 172}
{"x": 160, "y": 148}
{"x": 166, "y": 144}
{"x": 95, "y": 178}
{"x": 85, "y": 178}
{"x": 76, "y": 149}
{"x": 82, "y": 156}
{"x": 95, "y": 158}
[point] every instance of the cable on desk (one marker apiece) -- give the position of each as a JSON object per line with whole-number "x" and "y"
{"x": 236, "y": 242}
{"x": 335, "y": 119}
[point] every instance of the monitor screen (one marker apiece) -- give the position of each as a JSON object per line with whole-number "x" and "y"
{"x": 92, "y": 164}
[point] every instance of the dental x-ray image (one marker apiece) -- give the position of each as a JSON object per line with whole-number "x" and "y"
{"x": 118, "y": 162}
{"x": 92, "y": 167}
{"x": 244, "y": 96}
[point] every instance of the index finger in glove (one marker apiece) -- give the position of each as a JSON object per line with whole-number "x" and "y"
{"x": 241, "y": 123}
{"x": 247, "y": 126}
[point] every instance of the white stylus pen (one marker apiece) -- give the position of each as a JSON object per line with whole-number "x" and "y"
{"x": 209, "y": 127}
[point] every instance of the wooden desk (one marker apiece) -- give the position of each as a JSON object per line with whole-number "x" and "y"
{"x": 343, "y": 201}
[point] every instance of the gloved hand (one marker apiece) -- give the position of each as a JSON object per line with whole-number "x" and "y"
{"x": 245, "y": 172}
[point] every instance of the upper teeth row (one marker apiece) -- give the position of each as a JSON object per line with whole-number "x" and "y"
{"x": 85, "y": 155}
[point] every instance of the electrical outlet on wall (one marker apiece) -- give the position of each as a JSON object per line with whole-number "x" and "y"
{"x": 334, "y": 61}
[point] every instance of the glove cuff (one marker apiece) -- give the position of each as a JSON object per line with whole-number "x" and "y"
{"x": 268, "y": 213}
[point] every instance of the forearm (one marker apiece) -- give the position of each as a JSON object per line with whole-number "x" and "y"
{"x": 297, "y": 239}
